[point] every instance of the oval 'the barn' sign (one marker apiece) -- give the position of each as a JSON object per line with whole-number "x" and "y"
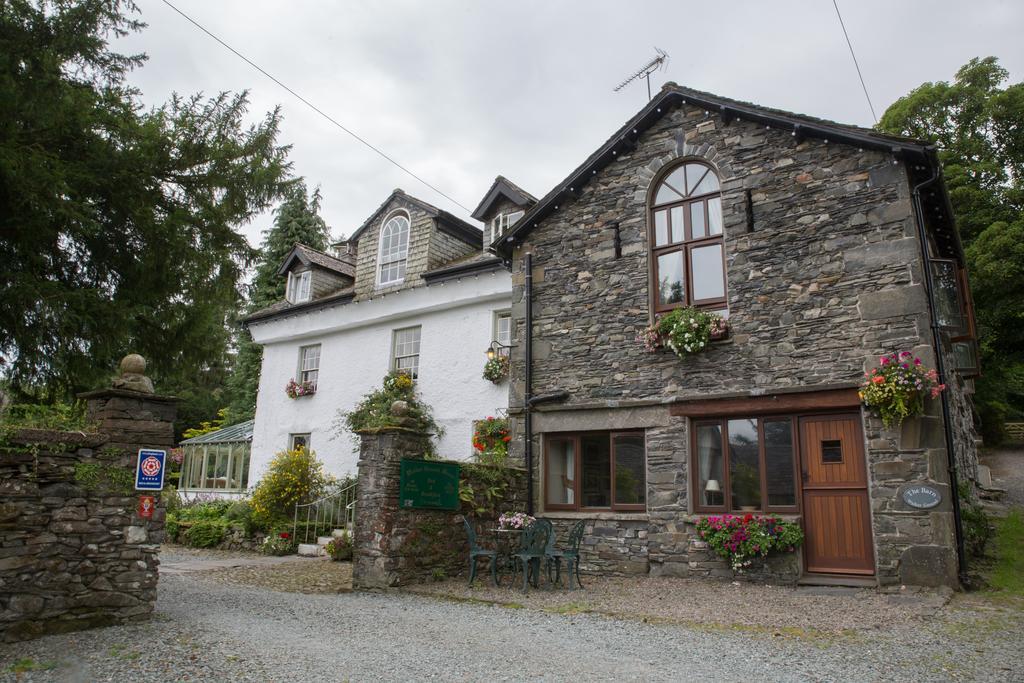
{"x": 922, "y": 497}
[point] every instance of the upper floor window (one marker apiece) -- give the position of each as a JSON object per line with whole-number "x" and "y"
{"x": 309, "y": 364}
{"x": 299, "y": 287}
{"x": 503, "y": 331}
{"x": 406, "y": 351}
{"x": 394, "y": 250}
{"x": 687, "y": 250}
{"x": 502, "y": 222}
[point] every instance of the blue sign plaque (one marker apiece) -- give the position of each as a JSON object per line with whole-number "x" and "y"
{"x": 149, "y": 471}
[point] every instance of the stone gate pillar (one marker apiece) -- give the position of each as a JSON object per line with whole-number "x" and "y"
{"x": 375, "y": 561}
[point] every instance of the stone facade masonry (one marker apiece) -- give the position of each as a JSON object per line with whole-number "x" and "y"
{"x": 74, "y": 553}
{"x": 828, "y": 279}
{"x": 428, "y": 248}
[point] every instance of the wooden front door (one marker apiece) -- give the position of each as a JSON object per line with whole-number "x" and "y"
{"x": 837, "y": 515}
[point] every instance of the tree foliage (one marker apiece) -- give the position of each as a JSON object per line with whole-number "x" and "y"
{"x": 118, "y": 226}
{"x": 976, "y": 123}
{"x": 296, "y": 221}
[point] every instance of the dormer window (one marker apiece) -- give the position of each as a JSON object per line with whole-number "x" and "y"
{"x": 394, "y": 250}
{"x": 299, "y": 287}
{"x": 502, "y": 222}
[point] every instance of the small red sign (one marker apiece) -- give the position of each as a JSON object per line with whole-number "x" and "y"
{"x": 146, "y": 506}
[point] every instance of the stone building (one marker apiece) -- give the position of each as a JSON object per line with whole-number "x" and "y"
{"x": 413, "y": 288}
{"x": 825, "y": 246}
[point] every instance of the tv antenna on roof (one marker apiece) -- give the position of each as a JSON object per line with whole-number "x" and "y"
{"x": 645, "y": 71}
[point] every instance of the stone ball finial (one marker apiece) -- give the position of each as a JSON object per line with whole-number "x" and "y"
{"x": 399, "y": 408}
{"x": 133, "y": 364}
{"x": 133, "y": 378}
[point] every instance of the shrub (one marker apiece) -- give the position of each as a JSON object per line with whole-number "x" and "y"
{"x": 374, "y": 411}
{"x": 243, "y": 513}
{"x": 294, "y": 477}
{"x": 171, "y": 527}
{"x": 976, "y": 524}
{"x": 205, "y": 533}
{"x": 740, "y": 539}
{"x": 60, "y": 416}
{"x": 340, "y": 547}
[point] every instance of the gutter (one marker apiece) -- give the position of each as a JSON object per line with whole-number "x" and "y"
{"x": 940, "y": 368}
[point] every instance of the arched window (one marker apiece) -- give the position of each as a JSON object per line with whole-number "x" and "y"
{"x": 394, "y": 250}
{"x": 687, "y": 251}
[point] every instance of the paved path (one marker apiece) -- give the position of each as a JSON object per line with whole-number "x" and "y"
{"x": 212, "y": 631}
{"x": 1007, "y": 466}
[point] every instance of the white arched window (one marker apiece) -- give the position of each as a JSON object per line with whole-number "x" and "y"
{"x": 394, "y": 250}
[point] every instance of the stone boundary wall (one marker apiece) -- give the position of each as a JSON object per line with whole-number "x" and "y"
{"x": 393, "y": 546}
{"x": 74, "y": 553}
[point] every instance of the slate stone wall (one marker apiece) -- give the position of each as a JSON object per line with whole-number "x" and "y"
{"x": 393, "y": 546}
{"x": 828, "y": 279}
{"x": 74, "y": 553}
{"x": 428, "y": 248}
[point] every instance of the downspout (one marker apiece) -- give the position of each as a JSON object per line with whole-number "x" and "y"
{"x": 940, "y": 368}
{"x": 528, "y": 389}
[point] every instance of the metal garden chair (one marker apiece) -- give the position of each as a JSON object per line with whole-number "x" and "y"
{"x": 476, "y": 552}
{"x": 571, "y": 555}
{"x": 531, "y": 551}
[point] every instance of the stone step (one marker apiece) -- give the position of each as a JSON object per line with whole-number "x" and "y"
{"x": 338, "y": 533}
{"x": 323, "y": 540}
{"x": 310, "y": 550}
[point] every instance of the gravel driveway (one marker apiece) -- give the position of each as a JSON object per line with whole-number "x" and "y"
{"x": 208, "y": 629}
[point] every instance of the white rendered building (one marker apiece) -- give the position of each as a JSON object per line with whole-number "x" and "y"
{"x": 411, "y": 289}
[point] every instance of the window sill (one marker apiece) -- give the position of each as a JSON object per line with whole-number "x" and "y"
{"x": 605, "y": 516}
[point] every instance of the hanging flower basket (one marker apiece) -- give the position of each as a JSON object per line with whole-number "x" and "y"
{"x": 295, "y": 389}
{"x": 685, "y": 331}
{"x": 496, "y": 369}
{"x": 897, "y": 389}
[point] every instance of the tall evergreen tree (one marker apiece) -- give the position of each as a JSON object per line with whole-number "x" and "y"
{"x": 118, "y": 226}
{"x": 977, "y": 125}
{"x": 296, "y": 221}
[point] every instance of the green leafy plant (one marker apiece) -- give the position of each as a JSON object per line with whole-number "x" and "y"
{"x": 496, "y": 369}
{"x": 102, "y": 477}
{"x": 278, "y": 543}
{"x": 67, "y": 417}
{"x": 207, "y": 427}
{"x": 740, "y": 540}
{"x": 373, "y": 412}
{"x": 340, "y": 547}
{"x": 897, "y": 389}
{"x": 205, "y": 533}
{"x": 685, "y": 331}
{"x": 976, "y": 523}
{"x": 294, "y": 477}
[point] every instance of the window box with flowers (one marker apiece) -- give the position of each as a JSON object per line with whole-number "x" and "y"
{"x": 897, "y": 389}
{"x": 685, "y": 331}
{"x": 741, "y": 540}
{"x": 296, "y": 389}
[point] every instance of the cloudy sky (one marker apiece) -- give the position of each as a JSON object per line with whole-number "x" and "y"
{"x": 462, "y": 91}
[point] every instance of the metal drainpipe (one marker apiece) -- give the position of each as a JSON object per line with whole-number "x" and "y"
{"x": 940, "y": 368}
{"x": 528, "y": 389}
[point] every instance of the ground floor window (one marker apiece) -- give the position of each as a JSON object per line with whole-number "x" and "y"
{"x": 297, "y": 441}
{"x": 215, "y": 466}
{"x": 595, "y": 470}
{"x": 744, "y": 463}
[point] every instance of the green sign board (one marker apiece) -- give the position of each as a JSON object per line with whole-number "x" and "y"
{"x": 429, "y": 484}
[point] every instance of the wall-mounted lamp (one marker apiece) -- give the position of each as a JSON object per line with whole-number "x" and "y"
{"x": 495, "y": 348}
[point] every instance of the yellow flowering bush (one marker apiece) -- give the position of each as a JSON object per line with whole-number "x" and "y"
{"x": 293, "y": 477}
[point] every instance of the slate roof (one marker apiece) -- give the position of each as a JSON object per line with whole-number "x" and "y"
{"x": 452, "y": 224}
{"x": 309, "y": 255}
{"x": 502, "y": 186}
{"x": 673, "y": 95}
{"x": 466, "y": 265}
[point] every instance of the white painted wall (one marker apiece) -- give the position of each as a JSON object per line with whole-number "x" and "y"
{"x": 456, "y": 319}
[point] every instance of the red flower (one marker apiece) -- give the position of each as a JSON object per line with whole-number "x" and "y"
{"x": 506, "y": 438}
{"x": 284, "y": 534}
{"x": 747, "y": 517}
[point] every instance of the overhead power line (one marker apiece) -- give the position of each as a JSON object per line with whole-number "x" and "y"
{"x": 315, "y": 108}
{"x": 855, "y": 64}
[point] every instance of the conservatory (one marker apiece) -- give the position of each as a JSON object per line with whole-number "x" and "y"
{"x": 217, "y": 462}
